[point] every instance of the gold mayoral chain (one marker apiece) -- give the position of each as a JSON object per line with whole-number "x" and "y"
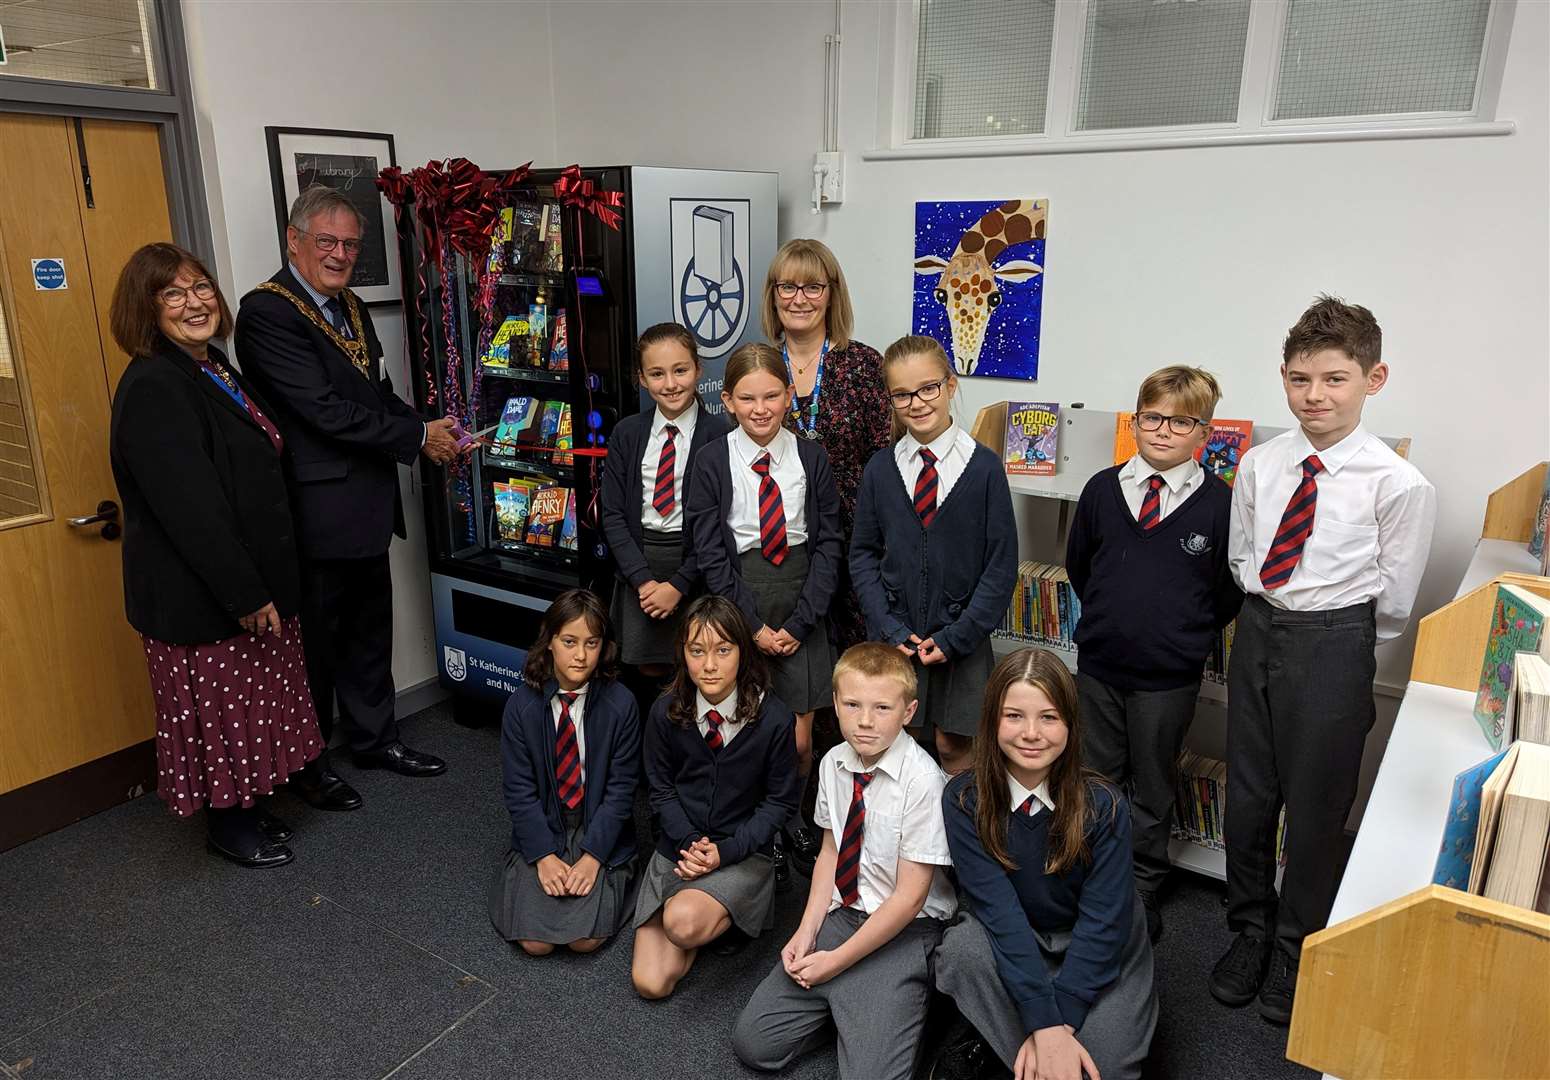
{"x": 354, "y": 350}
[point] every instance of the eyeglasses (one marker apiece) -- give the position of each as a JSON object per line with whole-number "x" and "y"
{"x": 787, "y": 290}
{"x": 326, "y": 243}
{"x": 1179, "y": 425}
{"x": 175, "y": 296}
{"x": 930, "y": 392}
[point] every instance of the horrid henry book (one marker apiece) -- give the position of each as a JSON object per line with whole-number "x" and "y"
{"x": 546, "y": 515}
{"x": 1032, "y": 436}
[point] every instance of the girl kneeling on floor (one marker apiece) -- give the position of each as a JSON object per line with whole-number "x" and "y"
{"x": 721, "y": 765}
{"x": 570, "y": 758}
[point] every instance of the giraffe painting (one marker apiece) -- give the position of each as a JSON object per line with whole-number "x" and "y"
{"x": 966, "y": 286}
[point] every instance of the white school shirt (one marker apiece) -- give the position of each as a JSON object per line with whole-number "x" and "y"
{"x": 577, "y": 708}
{"x": 1372, "y": 526}
{"x": 785, "y": 470}
{"x": 1041, "y": 797}
{"x": 727, "y": 709}
{"x": 1179, "y": 483}
{"x": 684, "y": 422}
{"x": 903, "y": 821}
{"x": 953, "y": 449}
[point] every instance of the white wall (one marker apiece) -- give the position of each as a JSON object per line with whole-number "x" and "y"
{"x": 435, "y": 76}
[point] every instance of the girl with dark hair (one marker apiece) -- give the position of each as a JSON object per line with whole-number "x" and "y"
{"x": 721, "y": 763}
{"x": 570, "y": 762}
{"x": 1053, "y": 968}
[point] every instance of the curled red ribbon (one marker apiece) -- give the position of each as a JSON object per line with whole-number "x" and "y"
{"x": 575, "y": 190}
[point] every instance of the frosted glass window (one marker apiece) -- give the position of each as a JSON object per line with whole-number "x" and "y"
{"x": 101, "y": 42}
{"x": 1366, "y": 57}
{"x": 19, "y": 495}
{"x": 1161, "y": 63}
{"x": 982, "y": 67}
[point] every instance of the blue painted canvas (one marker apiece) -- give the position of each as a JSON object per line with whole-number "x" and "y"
{"x": 979, "y": 283}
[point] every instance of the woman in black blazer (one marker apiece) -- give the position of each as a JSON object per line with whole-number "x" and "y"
{"x": 210, "y": 573}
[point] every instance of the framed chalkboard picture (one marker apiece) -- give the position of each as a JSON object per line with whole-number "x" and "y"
{"x": 348, "y": 162}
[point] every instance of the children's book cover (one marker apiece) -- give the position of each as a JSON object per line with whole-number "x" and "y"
{"x": 562, "y": 438}
{"x": 516, "y": 421}
{"x": 554, "y": 249}
{"x": 1225, "y": 447}
{"x": 511, "y": 330}
{"x": 1124, "y": 437}
{"x": 1536, "y": 541}
{"x": 568, "y": 526}
{"x": 1032, "y": 437}
{"x": 500, "y": 236}
{"x": 546, "y": 515}
{"x": 511, "y": 503}
{"x": 1517, "y": 625}
{"x": 1457, "y": 851}
{"x": 559, "y": 348}
{"x": 549, "y": 423}
{"x": 527, "y": 242}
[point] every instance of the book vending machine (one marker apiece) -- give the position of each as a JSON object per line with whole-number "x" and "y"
{"x": 530, "y": 345}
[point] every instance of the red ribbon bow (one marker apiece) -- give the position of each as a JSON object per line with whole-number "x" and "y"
{"x": 575, "y": 190}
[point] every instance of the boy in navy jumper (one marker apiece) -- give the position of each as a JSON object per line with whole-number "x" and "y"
{"x": 1147, "y": 556}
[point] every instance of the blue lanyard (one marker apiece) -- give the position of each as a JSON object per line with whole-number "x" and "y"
{"x": 811, "y": 430}
{"x": 230, "y": 388}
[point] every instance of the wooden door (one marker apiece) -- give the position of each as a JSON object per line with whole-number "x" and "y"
{"x": 73, "y": 685}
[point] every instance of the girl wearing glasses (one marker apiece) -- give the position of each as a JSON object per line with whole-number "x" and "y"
{"x": 934, "y": 553}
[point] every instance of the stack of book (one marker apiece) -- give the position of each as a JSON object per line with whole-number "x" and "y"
{"x": 528, "y": 422}
{"x": 1517, "y": 648}
{"x": 543, "y": 515}
{"x": 1220, "y": 654}
{"x": 1044, "y": 608}
{"x": 1200, "y": 804}
{"x": 1496, "y": 837}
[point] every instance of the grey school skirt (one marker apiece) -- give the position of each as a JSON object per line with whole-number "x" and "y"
{"x": 745, "y": 889}
{"x": 801, "y": 680}
{"x": 951, "y": 694}
{"x": 642, "y": 639}
{"x": 522, "y": 911}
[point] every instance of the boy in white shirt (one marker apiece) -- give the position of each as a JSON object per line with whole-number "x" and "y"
{"x": 879, "y": 899}
{"x": 1330, "y": 532}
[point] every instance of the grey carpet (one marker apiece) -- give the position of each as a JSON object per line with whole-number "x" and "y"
{"x": 128, "y": 952}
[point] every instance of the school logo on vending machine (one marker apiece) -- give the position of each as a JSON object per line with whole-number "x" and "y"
{"x": 457, "y": 663}
{"x": 712, "y": 291}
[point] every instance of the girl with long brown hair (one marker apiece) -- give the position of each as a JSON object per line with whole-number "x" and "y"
{"x": 1052, "y": 971}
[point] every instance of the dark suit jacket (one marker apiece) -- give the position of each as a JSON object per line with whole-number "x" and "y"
{"x": 207, "y": 522}
{"x": 624, "y": 495}
{"x": 610, "y": 727}
{"x": 344, "y": 433}
{"x": 709, "y": 507}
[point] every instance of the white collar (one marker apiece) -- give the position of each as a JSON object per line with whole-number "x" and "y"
{"x": 317, "y": 298}
{"x": 727, "y": 708}
{"x": 892, "y": 761}
{"x": 749, "y": 450}
{"x": 558, "y": 689}
{"x": 1335, "y": 458}
{"x": 1020, "y": 794}
{"x": 684, "y": 421}
{"x": 1137, "y": 471}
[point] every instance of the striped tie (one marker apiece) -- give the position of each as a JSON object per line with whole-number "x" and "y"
{"x": 567, "y": 756}
{"x": 772, "y": 515}
{"x": 713, "y": 721}
{"x": 1296, "y": 525}
{"x": 847, "y": 871}
{"x": 662, "y": 498}
{"x": 925, "y": 488}
{"x": 1151, "y": 506}
{"x": 1026, "y": 808}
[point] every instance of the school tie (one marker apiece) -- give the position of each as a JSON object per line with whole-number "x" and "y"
{"x": 772, "y": 515}
{"x": 662, "y": 498}
{"x": 1026, "y": 809}
{"x": 1151, "y": 506}
{"x": 336, "y": 318}
{"x": 1296, "y": 525}
{"x": 925, "y": 488}
{"x": 713, "y": 722}
{"x": 847, "y": 871}
{"x": 567, "y": 756}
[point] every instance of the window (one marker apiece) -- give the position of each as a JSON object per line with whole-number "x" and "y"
{"x": 982, "y": 67}
{"x": 19, "y": 496}
{"x": 100, "y": 42}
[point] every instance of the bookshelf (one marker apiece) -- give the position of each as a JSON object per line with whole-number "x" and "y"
{"x": 1412, "y": 979}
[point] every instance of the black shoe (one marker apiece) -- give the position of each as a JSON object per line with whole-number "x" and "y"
{"x": 274, "y": 830}
{"x": 402, "y": 760}
{"x": 1275, "y": 996}
{"x": 730, "y": 943}
{"x": 782, "y": 866}
{"x": 1238, "y": 974}
{"x": 965, "y": 1056}
{"x": 323, "y": 789}
{"x": 1153, "y": 914}
{"x": 260, "y": 858}
{"x": 806, "y": 843}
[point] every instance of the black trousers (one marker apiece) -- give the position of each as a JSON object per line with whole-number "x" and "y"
{"x": 1299, "y": 707}
{"x": 347, "y": 633}
{"x": 1133, "y": 738}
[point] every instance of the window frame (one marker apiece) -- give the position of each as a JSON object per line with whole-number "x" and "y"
{"x": 1256, "y": 97}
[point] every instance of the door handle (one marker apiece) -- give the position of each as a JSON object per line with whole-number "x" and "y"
{"x": 106, "y": 516}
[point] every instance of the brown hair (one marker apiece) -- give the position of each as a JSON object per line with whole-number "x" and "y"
{"x": 567, "y": 607}
{"x": 1331, "y": 323}
{"x": 875, "y": 660}
{"x": 1194, "y": 389}
{"x": 1068, "y": 781}
{"x": 135, "y": 313}
{"x": 809, "y": 260}
{"x": 665, "y": 331}
{"x": 906, "y": 347}
{"x": 747, "y": 359}
{"x": 726, "y": 619}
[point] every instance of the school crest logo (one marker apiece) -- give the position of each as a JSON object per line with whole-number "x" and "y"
{"x": 1195, "y": 544}
{"x": 457, "y": 663}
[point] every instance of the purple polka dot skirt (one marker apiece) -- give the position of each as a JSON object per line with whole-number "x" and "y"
{"x": 234, "y": 718}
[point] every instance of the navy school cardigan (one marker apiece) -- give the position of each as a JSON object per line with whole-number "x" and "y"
{"x": 610, "y": 725}
{"x": 1094, "y": 901}
{"x": 623, "y": 495}
{"x": 710, "y": 506}
{"x": 952, "y": 581}
{"x": 737, "y": 796}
